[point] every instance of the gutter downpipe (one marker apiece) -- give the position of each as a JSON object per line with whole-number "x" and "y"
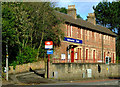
{"x": 84, "y": 45}
{"x": 102, "y": 48}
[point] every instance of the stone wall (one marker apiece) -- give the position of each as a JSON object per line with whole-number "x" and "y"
{"x": 76, "y": 71}
{"x": 26, "y": 67}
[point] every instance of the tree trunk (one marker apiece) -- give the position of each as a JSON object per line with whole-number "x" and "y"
{"x": 40, "y": 45}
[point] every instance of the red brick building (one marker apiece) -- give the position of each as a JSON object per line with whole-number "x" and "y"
{"x": 84, "y": 41}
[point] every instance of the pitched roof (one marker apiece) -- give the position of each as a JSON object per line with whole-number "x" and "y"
{"x": 82, "y": 23}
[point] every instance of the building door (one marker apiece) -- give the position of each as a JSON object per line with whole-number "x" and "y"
{"x": 72, "y": 55}
{"x": 93, "y": 56}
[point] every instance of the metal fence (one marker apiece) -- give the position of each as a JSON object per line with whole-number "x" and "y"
{"x": 59, "y": 60}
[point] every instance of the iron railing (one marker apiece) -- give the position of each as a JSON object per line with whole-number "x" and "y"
{"x": 59, "y": 60}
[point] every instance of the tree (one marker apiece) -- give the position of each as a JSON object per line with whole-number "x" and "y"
{"x": 27, "y": 26}
{"x": 8, "y": 32}
{"x": 108, "y": 15}
{"x": 78, "y": 16}
{"x": 62, "y": 9}
{"x": 46, "y": 24}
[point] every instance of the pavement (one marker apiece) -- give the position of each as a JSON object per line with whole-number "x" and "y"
{"x": 28, "y": 78}
{"x": 34, "y": 78}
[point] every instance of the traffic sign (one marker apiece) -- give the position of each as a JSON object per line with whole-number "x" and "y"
{"x": 49, "y": 51}
{"x": 48, "y": 44}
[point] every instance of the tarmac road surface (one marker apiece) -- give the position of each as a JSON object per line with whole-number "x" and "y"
{"x": 97, "y": 83}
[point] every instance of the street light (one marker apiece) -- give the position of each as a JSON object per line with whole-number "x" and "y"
{"x": 7, "y": 60}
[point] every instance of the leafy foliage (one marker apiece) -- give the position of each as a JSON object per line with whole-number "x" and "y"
{"x": 27, "y": 26}
{"x": 62, "y": 9}
{"x": 27, "y": 55}
{"x": 108, "y": 14}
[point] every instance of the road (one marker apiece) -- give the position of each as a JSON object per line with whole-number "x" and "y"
{"x": 109, "y": 83}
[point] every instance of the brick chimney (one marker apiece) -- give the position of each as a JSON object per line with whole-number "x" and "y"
{"x": 91, "y": 18}
{"x": 72, "y": 11}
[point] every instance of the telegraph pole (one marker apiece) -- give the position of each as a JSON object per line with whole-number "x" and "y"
{"x": 7, "y": 60}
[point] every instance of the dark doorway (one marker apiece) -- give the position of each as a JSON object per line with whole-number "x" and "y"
{"x": 72, "y": 55}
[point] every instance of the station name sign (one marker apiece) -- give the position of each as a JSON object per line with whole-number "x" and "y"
{"x": 49, "y": 51}
{"x": 48, "y": 44}
{"x": 72, "y": 40}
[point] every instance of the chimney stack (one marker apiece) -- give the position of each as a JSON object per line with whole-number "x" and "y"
{"x": 91, "y": 18}
{"x": 72, "y": 11}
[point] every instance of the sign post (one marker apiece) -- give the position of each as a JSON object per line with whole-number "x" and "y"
{"x": 49, "y": 45}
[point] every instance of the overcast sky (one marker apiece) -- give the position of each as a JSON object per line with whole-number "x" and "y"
{"x": 83, "y": 7}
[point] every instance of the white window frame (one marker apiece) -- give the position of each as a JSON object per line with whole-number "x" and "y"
{"x": 100, "y": 35}
{"x": 95, "y": 36}
{"x": 76, "y": 53}
{"x": 81, "y": 32}
{"x": 68, "y": 31}
{"x": 63, "y": 56}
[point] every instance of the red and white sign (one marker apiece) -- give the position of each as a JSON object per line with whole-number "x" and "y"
{"x": 48, "y": 44}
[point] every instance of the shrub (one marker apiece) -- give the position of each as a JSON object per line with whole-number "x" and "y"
{"x": 27, "y": 55}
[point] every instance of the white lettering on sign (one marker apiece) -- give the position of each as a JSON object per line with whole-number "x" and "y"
{"x": 70, "y": 40}
{"x": 77, "y": 41}
{"x": 49, "y": 46}
{"x": 48, "y": 43}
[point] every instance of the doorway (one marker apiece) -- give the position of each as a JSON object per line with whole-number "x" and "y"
{"x": 72, "y": 55}
{"x": 93, "y": 56}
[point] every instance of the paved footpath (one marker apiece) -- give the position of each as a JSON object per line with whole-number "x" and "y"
{"x": 32, "y": 78}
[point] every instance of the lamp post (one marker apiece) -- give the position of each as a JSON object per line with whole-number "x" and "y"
{"x": 7, "y": 60}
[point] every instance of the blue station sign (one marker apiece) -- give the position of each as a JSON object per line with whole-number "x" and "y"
{"x": 49, "y": 51}
{"x": 72, "y": 40}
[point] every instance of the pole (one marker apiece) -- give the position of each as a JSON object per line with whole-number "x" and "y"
{"x": 83, "y": 46}
{"x": 108, "y": 64}
{"x": 68, "y": 54}
{"x": 7, "y": 61}
{"x": 48, "y": 64}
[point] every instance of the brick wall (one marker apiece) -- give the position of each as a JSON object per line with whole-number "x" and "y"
{"x": 91, "y": 40}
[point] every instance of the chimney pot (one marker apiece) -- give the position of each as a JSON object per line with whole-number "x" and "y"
{"x": 91, "y": 18}
{"x": 72, "y": 11}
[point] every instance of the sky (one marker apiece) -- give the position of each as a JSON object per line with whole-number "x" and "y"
{"x": 83, "y": 7}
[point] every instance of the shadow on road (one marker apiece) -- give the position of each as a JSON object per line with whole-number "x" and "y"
{"x": 114, "y": 77}
{"x": 42, "y": 75}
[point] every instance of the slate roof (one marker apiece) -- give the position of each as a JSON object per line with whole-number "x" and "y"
{"x": 82, "y": 23}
